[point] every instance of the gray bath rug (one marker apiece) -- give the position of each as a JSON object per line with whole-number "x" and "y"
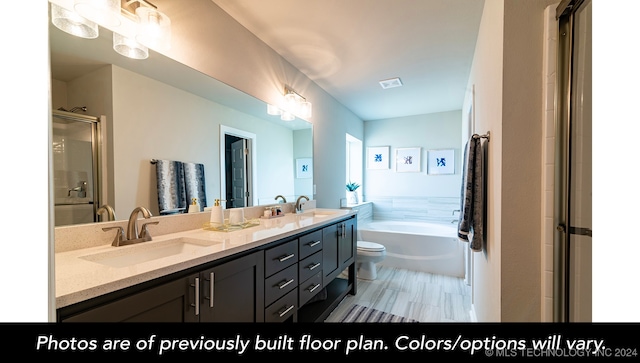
{"x": 363, "y": 314}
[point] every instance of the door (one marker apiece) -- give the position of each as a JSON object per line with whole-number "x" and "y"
{"x": 239, "y": 173}
{"x": 573, "y": 245}
{"x": 75, "y": 143}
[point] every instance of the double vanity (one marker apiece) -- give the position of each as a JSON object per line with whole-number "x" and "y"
{"x": 294, "y": 268}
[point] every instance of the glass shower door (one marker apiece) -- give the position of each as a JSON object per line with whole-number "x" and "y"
{"x": 75, "y": 162}
{"x": 580, "y": 222}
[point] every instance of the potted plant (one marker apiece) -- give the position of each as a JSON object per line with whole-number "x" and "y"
{"x": 352, "y": 195}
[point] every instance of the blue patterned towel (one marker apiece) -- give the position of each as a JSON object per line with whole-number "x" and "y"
{"x": 471, "y": 223}
{"x": 194, "y": 183}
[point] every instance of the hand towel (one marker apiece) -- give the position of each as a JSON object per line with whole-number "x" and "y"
{"x": 471, "y": 223}
{"x": 194, "y": 183}
{"x": 171, "y": 187}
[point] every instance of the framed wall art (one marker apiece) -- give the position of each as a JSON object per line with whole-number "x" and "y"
{"x": 304, "y": 168}
{"x": 408, "y": 159}
{"x": 441, "y": 162}
{"x": 378, "y": 157}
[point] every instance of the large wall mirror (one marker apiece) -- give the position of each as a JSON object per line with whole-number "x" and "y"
{"x": 159, "y": 109}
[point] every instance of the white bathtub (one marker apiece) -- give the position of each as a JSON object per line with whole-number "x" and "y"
{"x": 420, "y": 246}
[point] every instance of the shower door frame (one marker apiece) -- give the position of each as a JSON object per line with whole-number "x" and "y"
{"x": 96, "y": 141}
{"x": 562, "y": 180}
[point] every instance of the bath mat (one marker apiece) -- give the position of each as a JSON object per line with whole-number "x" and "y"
{"x": 363, "y": 314}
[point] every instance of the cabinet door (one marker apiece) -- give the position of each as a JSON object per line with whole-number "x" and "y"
{"x": 233, "y": 291}
{"x": 347, "y": 242}
{"x": 330, "y": 260}
{"x": 170, "y": 302}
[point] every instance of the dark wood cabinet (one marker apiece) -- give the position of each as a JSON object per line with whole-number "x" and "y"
{"x": 233, "y": 291}
{"x": 280, "y": 281}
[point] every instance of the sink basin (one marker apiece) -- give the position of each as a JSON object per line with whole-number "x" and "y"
{"x": 319, "y": 213}
{"x": 146, "y": 251}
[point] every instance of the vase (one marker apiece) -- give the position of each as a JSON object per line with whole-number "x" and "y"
{"x": 352, "y": 197}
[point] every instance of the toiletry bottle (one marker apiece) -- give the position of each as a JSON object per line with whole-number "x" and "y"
{"x": 216, "y": 213}
{"x": 194, "y": 207}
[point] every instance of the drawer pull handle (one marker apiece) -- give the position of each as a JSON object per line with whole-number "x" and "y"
{"x": 283, "y": 284}
{"x": 284, "y": 312}
{"x": 284, "y": 258}
{"x": 315, "y": 243}
{"x": 312, "y": 288}
{"x": 196, "y": 285}
{"x": 313, "y": 266}
{"x": 211, "y": 288}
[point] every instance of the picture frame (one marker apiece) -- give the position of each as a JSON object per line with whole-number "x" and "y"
{"x": 441, "y": 162}
{"x": 408, "y": 159}
{"x": 378, "y": 157}
{"x": 304, "y": 168}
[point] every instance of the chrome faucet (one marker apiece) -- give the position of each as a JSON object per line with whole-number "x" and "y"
{"x": 299, "y": 205}
{"x": 81, "y": 189}
{"x": 284, "y": 200}
{"x": 132, "y": 227}
{"x": 111, "y": 214}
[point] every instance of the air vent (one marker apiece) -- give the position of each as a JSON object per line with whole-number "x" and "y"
{"x": 390, "y": 83}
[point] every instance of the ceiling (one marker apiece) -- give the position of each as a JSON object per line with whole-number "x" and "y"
{"x": 347, "y": 47}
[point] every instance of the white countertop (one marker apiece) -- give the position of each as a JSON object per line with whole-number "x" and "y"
{"x": 80, "y": 276}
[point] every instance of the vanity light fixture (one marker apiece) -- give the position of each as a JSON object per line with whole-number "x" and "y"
{"x": 137, "y": 25}
{"x": 71, "y": 22}
{"x": 294, "y": 105}
{"x": 103, "y": 12}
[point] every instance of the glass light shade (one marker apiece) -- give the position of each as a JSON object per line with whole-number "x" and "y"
{"x": 273, "y": 110}
{"x": 305, "y": 109}
{"x": 72, "y": 23}
{"x": 154, "y": 28}
{"x": 287, "y": 116}
{"x": 129, "y": 47}
{"x": 291, "y": 102}
{"x": 103, "y": 12}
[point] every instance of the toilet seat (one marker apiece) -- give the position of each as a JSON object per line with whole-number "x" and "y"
{"x": 370, "y": 246}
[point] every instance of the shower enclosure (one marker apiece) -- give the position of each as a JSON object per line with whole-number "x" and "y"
{"x": 572, "y": 209}
{"x": 76, "y": 140}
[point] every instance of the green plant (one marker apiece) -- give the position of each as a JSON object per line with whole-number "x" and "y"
{"x": 352, "y": 186}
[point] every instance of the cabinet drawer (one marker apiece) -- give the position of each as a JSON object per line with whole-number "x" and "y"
{"x": 280, "y": 257}
{"x": 310, "y": 288}
{"x": 310, "y": 243}
{"x": 310, "y": 266}
{"x": 282, "y": 309}
{"x": 280, "y": 284}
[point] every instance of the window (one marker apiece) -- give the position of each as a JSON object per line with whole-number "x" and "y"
{"x": 354, "y": 165}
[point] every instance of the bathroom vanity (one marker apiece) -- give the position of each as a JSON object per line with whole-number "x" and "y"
{"x": 296, "y": 268}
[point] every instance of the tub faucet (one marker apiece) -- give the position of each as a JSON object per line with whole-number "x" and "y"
{"x": 132, "y": 227}
{"x": 299, "y": 205}
{"x": 81, "y": 189}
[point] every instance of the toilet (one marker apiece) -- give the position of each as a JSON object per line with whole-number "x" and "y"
{"x": 368, "y": 253}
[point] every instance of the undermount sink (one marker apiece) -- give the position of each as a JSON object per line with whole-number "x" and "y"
{"x": 147, "y": 251}
{"x": 319, "y": 213}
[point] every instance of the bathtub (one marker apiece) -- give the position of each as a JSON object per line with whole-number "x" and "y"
{"x": 419, "y": 246}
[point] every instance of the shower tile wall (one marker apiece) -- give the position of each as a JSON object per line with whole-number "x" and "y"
{"x": 416, "y": 209}
{"x": 549, "y": 74}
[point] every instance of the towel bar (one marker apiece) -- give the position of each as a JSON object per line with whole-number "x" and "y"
{"x": 485, "y": 136}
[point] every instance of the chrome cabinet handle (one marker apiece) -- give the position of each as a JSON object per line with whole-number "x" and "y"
{"x": 284, "y": 312}
{"x": 284, "y": 258}
{"x": 283, "y": 284}
{"x": 314, "y": 243}
{"x": 196, "y": 285}
{"x": 312, "y": 288}
{"x": 313, "y": 266}
{"x": 211, "y": 287}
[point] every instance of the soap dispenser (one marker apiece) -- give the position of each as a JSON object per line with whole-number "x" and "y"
{"x": 194, "y": 207}
{"x": 217, "y": 216}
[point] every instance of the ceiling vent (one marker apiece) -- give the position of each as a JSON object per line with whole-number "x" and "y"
{"x": 390, "y": 83}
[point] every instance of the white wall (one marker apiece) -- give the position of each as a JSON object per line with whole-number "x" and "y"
{"x": 507, "y": 77}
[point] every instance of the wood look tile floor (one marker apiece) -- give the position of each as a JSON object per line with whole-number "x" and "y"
{"x": 422, "y": 296}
